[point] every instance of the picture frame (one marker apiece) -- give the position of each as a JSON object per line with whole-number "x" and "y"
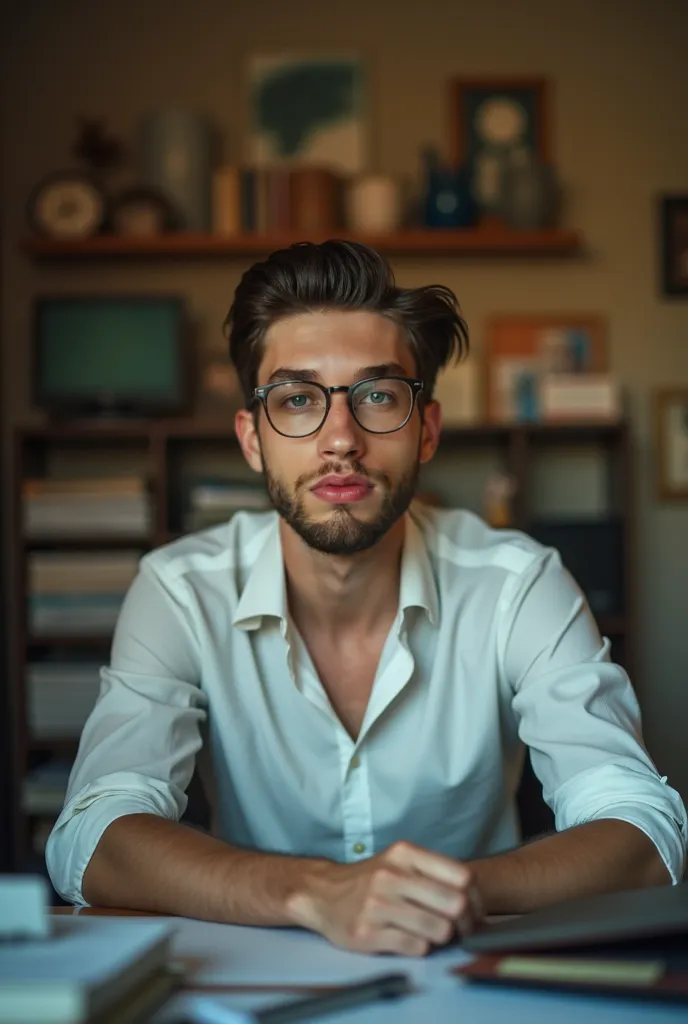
{"x": 521, "y": 349}
{"x": 493, "y": 121}
{"x": 673, "y": 244}
{"x": 671, "y": 439}
{"x": 307, "y": 109}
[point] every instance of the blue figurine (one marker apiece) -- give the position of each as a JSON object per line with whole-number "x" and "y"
{"x": 447, "y": 199}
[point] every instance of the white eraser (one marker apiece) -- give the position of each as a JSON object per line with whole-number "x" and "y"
{"x": 24, "y": 907}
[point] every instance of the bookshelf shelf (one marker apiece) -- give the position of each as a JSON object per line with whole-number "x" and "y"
{"x": 103, "y": 542}
{"x": 470, "y": 242}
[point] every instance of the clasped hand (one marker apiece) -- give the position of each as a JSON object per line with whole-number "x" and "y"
{"x": 405, "y": 900}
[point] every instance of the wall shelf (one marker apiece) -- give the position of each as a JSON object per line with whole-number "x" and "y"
{"x": 469, "y": 242}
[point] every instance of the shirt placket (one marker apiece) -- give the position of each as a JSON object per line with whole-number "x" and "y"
{"x": 357, "y": 818}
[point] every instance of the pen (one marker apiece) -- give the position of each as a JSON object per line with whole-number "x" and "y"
{"x": 385, "y": 986}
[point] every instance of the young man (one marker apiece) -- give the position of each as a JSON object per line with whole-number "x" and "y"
{"x": 359, "y": 675}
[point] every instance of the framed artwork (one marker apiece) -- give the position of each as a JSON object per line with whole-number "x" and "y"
{"x": 671, "y": 433}
{"x": 520, "y": 350}
{"x": 496, "y": 122}
{"x": 307, "y": 110}
{"x": 674, "y": 245}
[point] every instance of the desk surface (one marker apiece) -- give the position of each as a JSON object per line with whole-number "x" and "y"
{"x": 247, "y": 967}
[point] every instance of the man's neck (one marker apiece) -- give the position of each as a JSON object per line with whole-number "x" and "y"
{"x": 337, "y": 594}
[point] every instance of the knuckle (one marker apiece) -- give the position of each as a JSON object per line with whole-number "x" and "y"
{"x": 402, "y": 846}
{"x": 417, "y": 946}
{"x": 443, "y": 931}
{"x": 460, "y": 904}
{"x": 372, "y": 905}
{"x": 381, "y": 878}
{"x": 400, "y": 850}
{"x": 362, "y": 933}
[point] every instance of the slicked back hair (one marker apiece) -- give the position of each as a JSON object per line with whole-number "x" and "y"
{"x": 309, "y": 277}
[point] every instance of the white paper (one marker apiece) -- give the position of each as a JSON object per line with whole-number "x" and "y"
{"x": 231, "y": 955}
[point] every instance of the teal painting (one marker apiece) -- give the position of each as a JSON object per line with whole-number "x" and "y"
{"x": 307, "y": 110}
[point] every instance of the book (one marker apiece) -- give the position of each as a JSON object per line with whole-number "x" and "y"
{"x": 86, "y": 967}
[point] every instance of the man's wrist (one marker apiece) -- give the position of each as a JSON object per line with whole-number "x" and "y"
{"x": 307, "y": 893}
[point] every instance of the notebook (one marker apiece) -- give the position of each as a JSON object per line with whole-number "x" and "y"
{"x": 83, "y": 969}
{"x": 610, "y": 918}
{"x": 632, "y": 943}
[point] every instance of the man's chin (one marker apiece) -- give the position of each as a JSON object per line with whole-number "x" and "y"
{"x": 339, "y": 532}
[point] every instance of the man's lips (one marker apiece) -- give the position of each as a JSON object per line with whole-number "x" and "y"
{"x": 342, "y": 490}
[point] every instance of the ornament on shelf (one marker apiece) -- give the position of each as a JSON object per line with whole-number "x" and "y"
{"x": 500, "y": 489}
{"x": 96, "y": 149}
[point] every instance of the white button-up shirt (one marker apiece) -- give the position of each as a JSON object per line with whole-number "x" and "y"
{"x": 493, "y": 647}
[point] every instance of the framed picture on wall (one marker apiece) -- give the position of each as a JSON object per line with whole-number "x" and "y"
{"x": 495, "y": 122}
{"x": 674, "y": 245}
{"x": 521, "y": 350}
{"x": 671, "y": 432}
{"x": 307, "y": 109}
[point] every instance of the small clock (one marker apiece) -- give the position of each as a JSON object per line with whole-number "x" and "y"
{"x": 67, "y": 204}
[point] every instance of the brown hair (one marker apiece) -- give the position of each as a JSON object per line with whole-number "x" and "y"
{"x": 340, "y": 275}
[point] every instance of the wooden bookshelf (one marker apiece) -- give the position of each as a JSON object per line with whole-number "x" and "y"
{"x": 517, "y": 446}
{"x": 468, "y": 242}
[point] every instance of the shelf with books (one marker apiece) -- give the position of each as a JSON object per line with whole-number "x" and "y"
{"x": 455, "y": 242}
{"x": 98, "y": 542}
{"x": 183, "y": 454}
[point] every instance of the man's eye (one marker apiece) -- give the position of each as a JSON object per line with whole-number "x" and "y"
{"x": 296, "y": 401}
{"x": 378, "y": 397}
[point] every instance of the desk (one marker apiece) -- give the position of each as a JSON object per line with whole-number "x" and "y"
{"x": 248, "y": 967}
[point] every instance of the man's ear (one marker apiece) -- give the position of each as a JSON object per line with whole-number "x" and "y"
{"x": 430, "y": 430}
{"x": 246, "y": 427}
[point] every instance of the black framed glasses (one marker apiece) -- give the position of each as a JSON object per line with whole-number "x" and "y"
{"x": 380, "y": 405}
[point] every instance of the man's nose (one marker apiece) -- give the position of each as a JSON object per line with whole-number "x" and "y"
{"x": 340, "y": 434}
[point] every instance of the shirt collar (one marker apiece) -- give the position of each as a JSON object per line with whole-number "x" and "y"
{"x": 265, "y": 593}
{"x": 418, "y": 587}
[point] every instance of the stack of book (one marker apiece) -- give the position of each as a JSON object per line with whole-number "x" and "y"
{"x": 78, "y": 592}
{"x": 108, "y": 506}
{"x": 214, "y": 501}
{"x": 275, "y": 199}
{"x": 60, "y": 696}
{"x": 86, "y": 969}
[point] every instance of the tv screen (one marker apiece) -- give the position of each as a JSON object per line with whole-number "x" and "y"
{"x": 119, "y": 354}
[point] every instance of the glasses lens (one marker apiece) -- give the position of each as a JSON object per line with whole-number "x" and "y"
{"x": 296, "y": 409}
{"x": 383, "y": 404}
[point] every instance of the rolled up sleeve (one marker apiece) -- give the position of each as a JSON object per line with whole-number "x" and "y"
{"x": 138, "y": 748}
{"x": 578, "y": 713}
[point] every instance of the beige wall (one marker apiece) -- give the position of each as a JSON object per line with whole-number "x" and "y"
{"x": 620, "y": 74}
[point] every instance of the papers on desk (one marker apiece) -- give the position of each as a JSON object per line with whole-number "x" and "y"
{"x": 220, "y": 954}
{"x": 85, "y": 970}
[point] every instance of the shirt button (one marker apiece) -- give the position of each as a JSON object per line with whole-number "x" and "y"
{"x": 355, "y": 762}
{"x": 359, "y": 847}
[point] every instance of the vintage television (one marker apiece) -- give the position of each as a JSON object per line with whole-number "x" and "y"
{"x": 111, "y": 355}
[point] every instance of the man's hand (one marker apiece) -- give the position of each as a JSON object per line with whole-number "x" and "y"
{"x": 404, "y": 900}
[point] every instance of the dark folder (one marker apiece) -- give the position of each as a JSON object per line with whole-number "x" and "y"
{"x": 633, "y": 943}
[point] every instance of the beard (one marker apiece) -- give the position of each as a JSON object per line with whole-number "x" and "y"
{"x": 341, "y": 533}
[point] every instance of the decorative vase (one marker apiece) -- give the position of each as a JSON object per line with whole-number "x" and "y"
{"x": 447, "y": 198}
{"x": 175, "y": 147}
{"x": 529, "y": 194}
{"x": 374, "y": 204}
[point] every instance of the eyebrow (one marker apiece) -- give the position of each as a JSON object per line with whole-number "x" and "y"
{"x": 380, "y": 370}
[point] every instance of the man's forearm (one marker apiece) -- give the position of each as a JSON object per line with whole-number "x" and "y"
{"x": 600, "y": 856}
{"x": 147, "y": 863}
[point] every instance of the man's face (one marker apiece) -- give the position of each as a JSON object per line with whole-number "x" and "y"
{"x": 342, "y": 487}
